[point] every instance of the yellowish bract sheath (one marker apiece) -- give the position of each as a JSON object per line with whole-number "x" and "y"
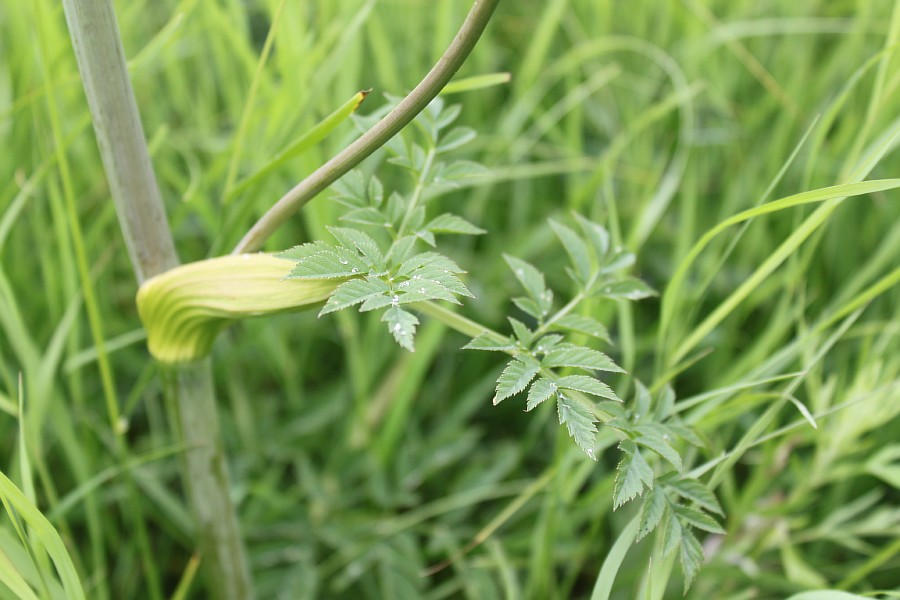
{"x": 185, "y": 308}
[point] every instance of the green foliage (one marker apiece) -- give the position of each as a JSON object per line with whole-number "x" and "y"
{"x": 672, "y": 502}
{"x": 686, "y": 128}
{"x": 542, "y": 351}
{"x": 393, "y": 272}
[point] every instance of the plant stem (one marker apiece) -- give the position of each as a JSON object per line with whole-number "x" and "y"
{"x": 209, "y": 489}
{"x": 101, "y": 60}
{"x": 413, "y": 202}
{"x": 380, "y": 134}
{"x": 565, "y": 310}
{"x": 457, "y": 322}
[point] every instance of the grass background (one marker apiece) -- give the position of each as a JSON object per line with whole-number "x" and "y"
{"x": 358, "y": 465}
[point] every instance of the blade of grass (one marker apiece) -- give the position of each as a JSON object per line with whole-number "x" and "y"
{"x": 46, "y": 534}
{"x": 476, "y": 82}
{"x": 307, "y": 140}
{"x": 832, "y": 198}
{"x": 613, "y": 561}
{"x": 249, "y": 105}
{"x": 187, "y": 578}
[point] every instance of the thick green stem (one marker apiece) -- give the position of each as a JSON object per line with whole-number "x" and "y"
{"x": 101, "y": 60}
{"x": 380, "y": 134}
{"x": 204, "y": 463}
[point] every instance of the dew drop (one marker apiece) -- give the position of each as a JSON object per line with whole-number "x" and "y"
{"x": 404, "y": 285}
{"x": 417, "y": 277}
{"x": 343, "y": 262}
{"x": 590, "y": 453}
{"x": 446, "y": 270}
{"x": 422, "y": 290}
{"x": 395, "y": 300}
{"x": 520, "y": 272}
{"x": 398, "y": 328}
{"x": 354, "y": 270}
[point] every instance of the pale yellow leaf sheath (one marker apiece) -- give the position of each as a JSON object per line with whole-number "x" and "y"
{"x": 185, "y": 308}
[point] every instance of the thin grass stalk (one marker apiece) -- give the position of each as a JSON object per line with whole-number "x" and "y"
{"x": 101, "y": 61}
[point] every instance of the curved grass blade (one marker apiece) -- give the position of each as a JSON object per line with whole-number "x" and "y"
{"x": 18, "y": 506}
{"x": 306, "y": 141}
{"x": 829, "y": 194}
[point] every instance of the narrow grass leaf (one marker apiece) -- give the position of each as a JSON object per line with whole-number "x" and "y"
{"x": 613, "y": 561}
{"x": 476, "y": 82}
{"x": 828, "y": 595}
{"x": 11, "y": 578}
{"x": 303, "y": 143}
{"x": 47, "y": 535}
{"x": 674, "y": 290}
{"x": 886, "y": 465}
{"x": 804, "y": 412}
{"x": 187, "y": 578}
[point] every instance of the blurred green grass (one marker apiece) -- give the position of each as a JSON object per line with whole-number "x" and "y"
{"x": 358, "y": 465}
